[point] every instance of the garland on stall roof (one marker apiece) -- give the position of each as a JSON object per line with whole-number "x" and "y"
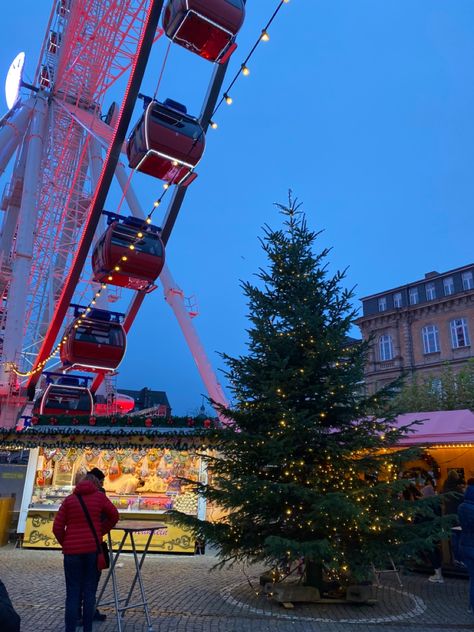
{"x": 178, "y": 439}
{"x": 146, "y": 421}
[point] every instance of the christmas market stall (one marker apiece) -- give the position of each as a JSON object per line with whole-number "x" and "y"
{"x": 447, "y": 441}
{"x": 447, "y": 438}
{"x": 144, "y": 459}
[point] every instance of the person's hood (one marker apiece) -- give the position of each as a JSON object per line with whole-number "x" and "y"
{"x": 85, "y": 487}
{"x": 469, "y": 494}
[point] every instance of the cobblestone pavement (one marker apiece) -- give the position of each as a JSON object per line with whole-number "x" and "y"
{"x": 184, "y": 596}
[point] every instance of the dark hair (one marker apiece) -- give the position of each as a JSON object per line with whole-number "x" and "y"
{"x": 470, "y": 481}
{"x": 97, "y": 473}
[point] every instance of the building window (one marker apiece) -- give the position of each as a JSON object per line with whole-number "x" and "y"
{"x": 413, "y": 293}
{"x": 385, "y": 348}
{"x": 467, "y": 281}
{"x": 382, "y": 304}
{"x": 430, "y": 339}
{"x": 459, "y": 333}
{"x": 448, "y": 285}
{"x": 430, "y": 291}
{"x": 436, "y": 386}
{"x": 397, "y": 299}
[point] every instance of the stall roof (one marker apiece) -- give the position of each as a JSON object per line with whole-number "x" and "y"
{"x": 440, "y": 426}
{"x": 86, "y": 436}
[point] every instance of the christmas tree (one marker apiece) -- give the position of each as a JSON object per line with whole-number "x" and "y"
{"x": 305, "y": 469}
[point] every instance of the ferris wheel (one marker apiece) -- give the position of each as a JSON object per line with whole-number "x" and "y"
{"x": 62, "y": 256}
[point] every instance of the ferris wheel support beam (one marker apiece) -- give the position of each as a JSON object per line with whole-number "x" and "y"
{"x": 210, "y": 101}
{"x": 179, "y": 193}
{"x": 98, "y": 202}
{"x": 175, "y": 299}
{"x": 95, "y": 159}
{"x": 13, "y": 335}
{"x": 13, "y": 130}
{"x": 13, "y": 208}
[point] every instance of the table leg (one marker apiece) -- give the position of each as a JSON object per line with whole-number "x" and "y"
{"x": 138, "y": 577}
{"x": 142, "y": 559}
{"x": 114, "y": 555}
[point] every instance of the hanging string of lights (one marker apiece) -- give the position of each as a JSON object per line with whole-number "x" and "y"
{"x": 243, "y": 70}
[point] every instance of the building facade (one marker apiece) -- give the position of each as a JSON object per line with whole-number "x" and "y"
{"x": 420, "y": 327}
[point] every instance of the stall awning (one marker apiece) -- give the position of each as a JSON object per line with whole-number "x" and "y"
{"x": 441, "y": 426}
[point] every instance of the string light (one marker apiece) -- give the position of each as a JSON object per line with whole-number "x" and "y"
{"x": 244, "y": 70}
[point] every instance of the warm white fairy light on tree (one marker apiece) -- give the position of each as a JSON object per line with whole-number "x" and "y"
{"x": 306, "y": 471}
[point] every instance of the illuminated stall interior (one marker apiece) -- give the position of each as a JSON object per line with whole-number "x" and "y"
{"x": 447, "y": 439}
{"x": 142, "y": 483}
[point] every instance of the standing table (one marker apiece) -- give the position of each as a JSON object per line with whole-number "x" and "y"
{"x": 129, "y": 528}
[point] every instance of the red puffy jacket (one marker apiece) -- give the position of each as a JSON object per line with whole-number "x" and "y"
{"x": 70, "y": 526}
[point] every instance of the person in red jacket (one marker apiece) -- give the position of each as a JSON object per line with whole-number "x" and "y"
{"x": 73, "y": 532}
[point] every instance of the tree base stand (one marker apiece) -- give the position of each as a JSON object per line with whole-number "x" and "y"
{"x": 288, "y": 593}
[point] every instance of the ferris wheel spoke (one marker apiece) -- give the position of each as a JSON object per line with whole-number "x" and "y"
{"x": 13, "y": 127}
{"x": 98, "y": 201}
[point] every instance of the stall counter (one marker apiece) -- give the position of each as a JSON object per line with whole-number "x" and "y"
{"x": 170, "y": 539}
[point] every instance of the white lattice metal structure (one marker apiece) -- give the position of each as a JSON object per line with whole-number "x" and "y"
{"x": 64, "y": 157}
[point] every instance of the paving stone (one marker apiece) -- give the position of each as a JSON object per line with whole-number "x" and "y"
{"x": 184, "y": 595}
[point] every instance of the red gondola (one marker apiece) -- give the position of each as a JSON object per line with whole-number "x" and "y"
{"x": 45, "y": 77}
{"x": 54, "y": 42}
{"x": 143, "y": 264}
{"x": 206, "y": 27}
{"x": 65, "y": 396}
{"x": 166, "y": 143}
{"x": 95, "y": 342}
{"x": 62, "y": 8}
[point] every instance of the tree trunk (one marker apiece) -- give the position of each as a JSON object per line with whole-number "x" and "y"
{"x": 314, "y": 574}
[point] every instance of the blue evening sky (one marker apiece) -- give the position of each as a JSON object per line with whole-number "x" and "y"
{"x": 364, "y": 108}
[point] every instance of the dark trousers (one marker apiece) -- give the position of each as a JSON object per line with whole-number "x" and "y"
{"x": 435, "y": 556}
{"x": 9, "y": 619}
{"x": 467, "y": 553}
{"x": 82, "y": 578}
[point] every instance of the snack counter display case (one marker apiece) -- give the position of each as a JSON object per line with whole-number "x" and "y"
{"x": 142, "y": 484}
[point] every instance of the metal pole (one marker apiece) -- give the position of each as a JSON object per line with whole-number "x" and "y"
{"x": 18, "y": 291}
{"x": 175, "y": 299}
{"x": 27, "y": 489}
{"x": 179, "y": 192}
{"x": 12, "y": 131}
{"x": 209, "y": 104}
{"x": 96, "y": 162}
